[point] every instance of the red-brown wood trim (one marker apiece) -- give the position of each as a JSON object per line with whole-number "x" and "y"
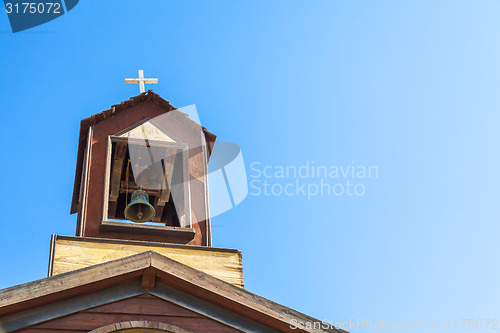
{"x": 148, "y": 278}
{"x": 147, "y": 229}
{"x": 117, "y": 327}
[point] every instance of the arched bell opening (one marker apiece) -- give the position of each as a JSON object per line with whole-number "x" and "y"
{"x": 157, "y": 168}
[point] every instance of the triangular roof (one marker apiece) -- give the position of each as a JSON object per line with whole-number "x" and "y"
{"x": 153, "y": 271}
{"x": 146, "y": 97}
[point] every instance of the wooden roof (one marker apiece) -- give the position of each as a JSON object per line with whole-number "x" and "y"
{"x": 147, "y": 97}
{"x": 151, "y": 269}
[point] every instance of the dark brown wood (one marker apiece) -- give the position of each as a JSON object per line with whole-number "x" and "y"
{"x": 131, "y": 186}
{"x": 53, "y": 239}
{"x": 168, "y": 169}
{"x": 164, "y": 195}
{"x": 152, "y": 326}
{"x": 79, "y": 282}
{"x": 168, "y": 272}
{"x": 84, "y": 182}
{"x": 89, "y": 321}
{"x": 136, "y": 308}
{"x": 116, "y": 176}
{"x": 45, "y": 330}
{"x": 149, "y": 97}
{"x": 112, "y": 122}
{"x": 159, "y": 206}
{"x": 152, "y": 245}
{"x": 117, "y": 169}
{"x": 151, "y": 305}
{"x": 148, "y": 278}
{"x": 147, "y": 229}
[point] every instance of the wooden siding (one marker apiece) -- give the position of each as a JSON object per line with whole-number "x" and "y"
{"x": 72, "y": 253}
{"x": 143, "y": 307}
{"x": 187, "y": 132}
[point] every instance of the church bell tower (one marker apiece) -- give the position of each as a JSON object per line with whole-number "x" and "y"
{"x": 140, "y": 184}
{"x": 142, "y": 259}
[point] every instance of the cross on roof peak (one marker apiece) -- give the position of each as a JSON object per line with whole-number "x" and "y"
{"x": 141, "y": 80}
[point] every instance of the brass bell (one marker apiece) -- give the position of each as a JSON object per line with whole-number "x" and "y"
{"x": 139, "y": 209}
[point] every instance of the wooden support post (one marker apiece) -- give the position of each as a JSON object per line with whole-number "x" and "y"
{"x": 164, "y": 197}
{"x": 116, "y": 175}
{"x": 148, "y": 278}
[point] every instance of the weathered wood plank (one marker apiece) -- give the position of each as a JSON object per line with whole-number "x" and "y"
{"x": 139, "y": 326}
{"x": 116, "y": 175}
{"x": 158, "y": 210}
{"x": 153, "y": 306}
{"x": 47, "y": 290}
{"x": 147, "y": 229}
{"x": 45, "y": 330}
{"x": 171, "y": 274}
{"x": 71, "y": 253}
{"x": 90, "y": 321}
{"x": 168, "y": 170}
{"x": 242, "y": 302}
{"x": 82, "y": 201}
{"x": 148, "y": 278}
{"x": 117, "y": 169}
{"x": 98, "y": 177}
{"x": 147, "y": 130}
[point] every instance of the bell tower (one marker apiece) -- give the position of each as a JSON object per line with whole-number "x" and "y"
{"x": 142, "y": 258}
{"x": 141, "y": 174}
{"x": 140, "y": 185}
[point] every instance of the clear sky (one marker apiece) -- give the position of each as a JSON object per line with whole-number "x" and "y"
{"x": 411, "y": 87}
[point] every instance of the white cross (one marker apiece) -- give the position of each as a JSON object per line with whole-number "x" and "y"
{"x": 141, "y": 80}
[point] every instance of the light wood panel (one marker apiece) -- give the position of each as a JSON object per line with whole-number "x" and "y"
{"x": 72, "y": 253}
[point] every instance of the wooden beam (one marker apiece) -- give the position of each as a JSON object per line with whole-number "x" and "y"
{"x": 112, "y": 209}
{"x": 80, "y": 282}
{"x": 159, "y": 206}
{"x": 133, "y": 186}
{"x": 126, "y": 325}
{"x": 164, "y": 196}
{"x": 168, "y": 170}
{"x": 116, "y": 175}
{"x": 168, "y": 272}
{"x": 232, "y": 298}
{"x": 150, "y": 143}
{"x": 84, "y": 185}
{"x": 147, "y": 229}
{"x": 148, "y": 278}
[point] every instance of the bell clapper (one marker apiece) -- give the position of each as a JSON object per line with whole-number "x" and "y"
{"x": 139, "y": 212}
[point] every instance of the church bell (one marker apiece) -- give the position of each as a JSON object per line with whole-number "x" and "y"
{"x": 139, "y": 209}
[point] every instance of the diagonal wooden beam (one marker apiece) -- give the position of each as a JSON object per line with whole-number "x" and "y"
{"x": 158, "y": 210}
{"x": 116, "y": 175}
{"x": 168, "y": 170}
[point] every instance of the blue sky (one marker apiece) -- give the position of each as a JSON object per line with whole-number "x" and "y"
{"x": 411, "y": 87}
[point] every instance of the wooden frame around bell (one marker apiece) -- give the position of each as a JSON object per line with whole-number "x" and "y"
{"x": 124, "y": 227}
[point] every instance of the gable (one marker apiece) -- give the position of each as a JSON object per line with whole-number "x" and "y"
{"x": 142, "y": 308}
{"x": 72, "y": 253}
{"x": 75, "y": 293}
{"x": 147, "y": 130}
{"x": 102, "y": 310}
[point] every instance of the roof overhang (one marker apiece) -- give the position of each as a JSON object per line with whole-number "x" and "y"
{"x": 151, "y": 269}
